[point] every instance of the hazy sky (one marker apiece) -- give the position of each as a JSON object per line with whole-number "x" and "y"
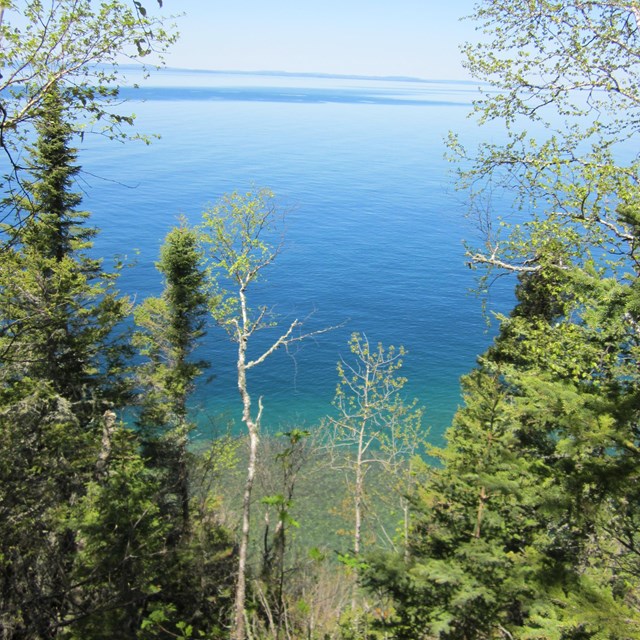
{"x": 369, "y": 37}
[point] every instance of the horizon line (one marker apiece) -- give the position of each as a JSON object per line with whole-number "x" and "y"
{"x": 308, "y": 74}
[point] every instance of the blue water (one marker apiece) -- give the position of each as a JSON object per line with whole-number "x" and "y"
{"x": 374, "y": 226}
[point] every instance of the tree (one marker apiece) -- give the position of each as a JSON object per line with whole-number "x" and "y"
{"x": 571, "y": 73}
{"x": 235, "y": 233}
{"x": 455, "y": 579}
{"x": 58, "y": 305}
{"x": 507, "y": 536}
{"x": 121, "y": 546}
{"x": 577, "y": 59}
{"x": 171, "y": 327}
{"x": 373, "y": 426}
{"x": 62, "y": 369}
{"x": 132, "y": 577}
{"x": 280, "y": 480}
{"x": 526, "y": 531}
{"x": 92, "y": 543}
{"x": 195, "y": 570}
{"x": 73, "y": 47}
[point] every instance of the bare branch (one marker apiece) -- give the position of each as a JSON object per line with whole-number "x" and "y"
{"x": 286, "y": 339}
{"x": 478, "y": 258}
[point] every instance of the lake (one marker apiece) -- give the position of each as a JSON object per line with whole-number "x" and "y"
{"x": 374, "y": 226}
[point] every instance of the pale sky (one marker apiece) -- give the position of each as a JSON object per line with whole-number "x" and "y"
{"x": 364, "y": 37}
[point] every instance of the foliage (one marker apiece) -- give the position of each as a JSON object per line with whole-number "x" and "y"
{"x": 135, "y": 581}
{"x": 58, "y": 305}
{"x": 45, "y": 453}
{"x": 570, "y": 73}
{"x": 194, "y": 578}
{"x": 528, "y": 525}
{"x": 277, "y": 567}
{"x": 170, "y": 328}
{"x": 507, "y": 533}
{"x": 233, "y": 235}
{"x": 90, "y": 544}
{"x": 574, "y": 59}
{"x": 518, "y": 533}
{"x": 76, "y": 46}
{"x": 120, "y": 538}
{"x": 372, "y": 425}
{"x": 62, "y": 368}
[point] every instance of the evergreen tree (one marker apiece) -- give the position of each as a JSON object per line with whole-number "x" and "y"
{"x": 58, "y": 305}
{"x": 121, "y": 546}
{"x": 526, "y": 529}
{"x": 171, "y": 327}
{"x": 192, "y": 577}
{"x": 61, "y": 370}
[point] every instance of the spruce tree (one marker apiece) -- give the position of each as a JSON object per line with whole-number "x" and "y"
{"x": 194, "y": 574}
{"x": 61, "y": 370}
{"x": 58, "y": 305}
{"x": 171, "y": 327}
{"x": 527, "y": 528}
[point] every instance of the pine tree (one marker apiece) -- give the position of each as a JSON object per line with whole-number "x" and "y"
{"x": 61, "y": 370}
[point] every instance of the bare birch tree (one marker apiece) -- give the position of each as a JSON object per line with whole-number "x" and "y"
{"x": 373, "y": 425}
{"x": 235, "y": 235}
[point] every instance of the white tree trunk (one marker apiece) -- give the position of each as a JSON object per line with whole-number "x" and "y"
{"x": 241, "y": 584}
{"x": 238, "y": 631}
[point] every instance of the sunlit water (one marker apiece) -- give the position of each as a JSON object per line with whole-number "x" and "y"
{"x": 374, "y": 226}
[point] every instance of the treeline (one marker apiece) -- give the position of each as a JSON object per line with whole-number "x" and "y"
{"x": 525, "y": 525}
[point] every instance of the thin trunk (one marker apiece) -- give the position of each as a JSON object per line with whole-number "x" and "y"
{"x": 266, "y": 548}
{"x": 481, "y": 502}
{"x": 405, "y": 511}
{"x": 357, "y": 499}
{"x": 243, "y": 329}
{"x": 182, "y": 431}
{"x": 357, "y": 505}
{"x": 359, "y": 488}
{"x": 238, "y": 631}
{"x": 279, "y": 544}
{"x": 183, "y": 482}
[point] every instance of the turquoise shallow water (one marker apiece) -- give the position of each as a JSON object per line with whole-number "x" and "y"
{"x": 374, "y": 227}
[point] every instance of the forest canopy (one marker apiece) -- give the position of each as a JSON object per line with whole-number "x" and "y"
{"x": 115, "y": 523}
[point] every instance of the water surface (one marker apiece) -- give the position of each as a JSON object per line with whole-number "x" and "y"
{"x": 374, "y": 226}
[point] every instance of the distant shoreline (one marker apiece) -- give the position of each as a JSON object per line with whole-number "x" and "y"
{"x": 309, "y": 74}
